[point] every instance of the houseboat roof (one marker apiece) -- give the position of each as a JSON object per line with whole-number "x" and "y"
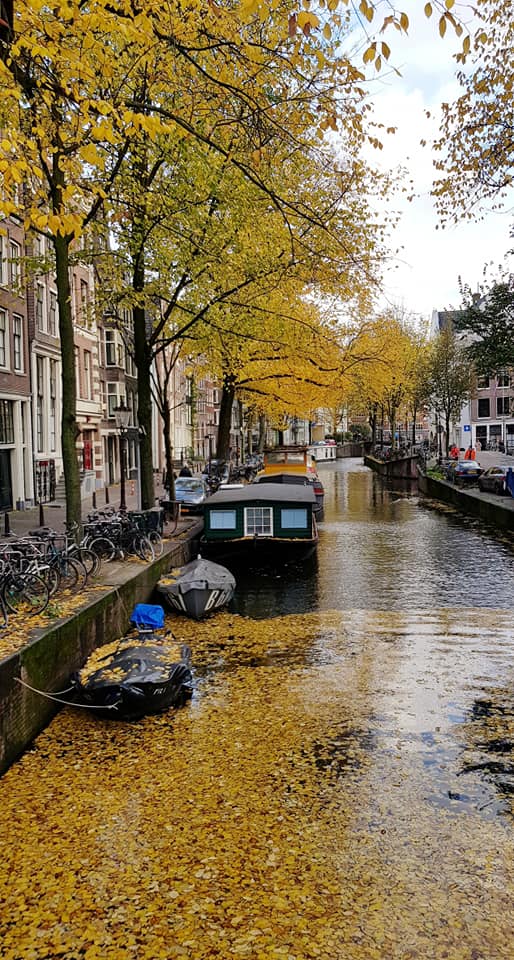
{"x": 264, "y": 492}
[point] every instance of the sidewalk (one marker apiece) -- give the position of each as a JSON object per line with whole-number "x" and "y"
{"x": 54, "y": 514}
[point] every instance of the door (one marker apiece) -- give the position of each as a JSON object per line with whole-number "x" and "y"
{"x": 5, "y": 480}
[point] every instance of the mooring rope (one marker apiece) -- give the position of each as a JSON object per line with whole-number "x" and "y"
{"x": 67, "y": 703}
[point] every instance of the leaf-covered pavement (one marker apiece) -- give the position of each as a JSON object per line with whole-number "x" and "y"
{"x": 337, "y": 789}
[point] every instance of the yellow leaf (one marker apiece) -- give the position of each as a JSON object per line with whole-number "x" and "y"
{"x": 404, "y": 21}
{"x": 442, "y": 26}
{"x": 428, "y": 10}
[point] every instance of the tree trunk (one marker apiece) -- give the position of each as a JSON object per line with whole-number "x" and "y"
{"x": 143, "y": 361}
{"x": 69, "y": 429}
{"x": 447, "y": 438}
{"x": 414, "y": 413}
{"x": 373, "y": 424}
{"x": 227, "y": 402}
{"x": 168, "y": 449}
{"x": 262, "y": 434}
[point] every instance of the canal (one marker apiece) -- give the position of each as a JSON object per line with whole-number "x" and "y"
{"x": 340, "y": 786}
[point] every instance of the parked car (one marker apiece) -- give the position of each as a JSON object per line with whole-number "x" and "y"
{"x": 462, "y": 472}
{"x": 191, "y": 493}
{"x": 494, "y": 480}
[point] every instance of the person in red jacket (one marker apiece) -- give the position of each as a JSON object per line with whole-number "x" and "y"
{"x": 454, "y": 452}
{"x": 470, "y": 453}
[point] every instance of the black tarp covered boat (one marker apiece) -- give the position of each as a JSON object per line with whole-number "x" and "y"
{"x": 136, "y": 675}
{"x": 198, "y": 588}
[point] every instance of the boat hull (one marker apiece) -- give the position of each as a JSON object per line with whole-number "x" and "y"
{"x": 136, "y": 681}
{"x": 198, "y": 589}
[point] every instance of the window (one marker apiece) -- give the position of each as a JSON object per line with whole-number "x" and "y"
{"x": 259, "y": 522}
{"x": 17, "y": 324}
{"x": 14, "y": 264}
{"x": 3, "y": 265}
{"x": 293, "y": 519}
{"x": 39, "y": 403}
{"x": 6, "y": 421}
{"x": 88, "y": 383}
{"x": 84, "y": 301}
{"x": 4, "y": 341}
{"x": 503, "y": 380}
{"x": 40, "y": 306}
{"x": 483, "y": 407}
{"x": 110, "y": 348}
{"x": 112, "y": 399}
{"x": 52, "y": 313}
{"x": 222, "y": 519}
{"x": 483, "y": 383}
{"x": 502, "y": 406}
{"x": 52, "y": 404}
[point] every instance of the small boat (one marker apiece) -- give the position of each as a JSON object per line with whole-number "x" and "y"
{"x": 198, "y": 588}
{"x": 138, "y": 674}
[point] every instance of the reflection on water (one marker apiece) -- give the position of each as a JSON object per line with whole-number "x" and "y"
{"x": 384, "y": 549}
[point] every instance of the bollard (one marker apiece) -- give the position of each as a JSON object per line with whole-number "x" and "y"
{"x": 41, "y": 515}
{"x": 7, "y": 525}
{"x": 94, "y": 500}
{"x": 107, "y": 494}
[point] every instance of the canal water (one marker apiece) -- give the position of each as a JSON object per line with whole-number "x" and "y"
{"x": 340, "y": 786}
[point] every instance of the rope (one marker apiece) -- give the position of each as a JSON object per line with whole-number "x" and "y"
{"x": 67, "y": 703}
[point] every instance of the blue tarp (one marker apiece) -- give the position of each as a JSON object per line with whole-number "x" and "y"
{"x": 147, "y": 615}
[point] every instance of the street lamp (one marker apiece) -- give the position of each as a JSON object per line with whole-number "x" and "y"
{"x": 208, "y": 437}
{"x": 122, "y": 417}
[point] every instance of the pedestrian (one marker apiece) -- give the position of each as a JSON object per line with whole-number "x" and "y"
{"x": 185, "y": 472}
{"x": 454, "y": 451}
{"x": 470, "y": 453}
{"x": 478, "y": 446}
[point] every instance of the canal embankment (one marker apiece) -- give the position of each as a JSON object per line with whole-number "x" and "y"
{"x": 488, "y": 507}
{"x": 49, "y": 659}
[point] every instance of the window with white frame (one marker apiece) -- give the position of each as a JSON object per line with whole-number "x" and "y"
{"x": 40, "y": 373}
{"x": 483, "y": 383}
{"x": 52, "y": 404}
{"x": 503, "y": 379}
{"x": 4, "y": 339}
{"x": 40, "y": 305}
{"x": 112, "y": 399}
{"x": 88, "y": 375}
{"x": 84, "y": 301}
{"x": 17, "y": 342}
{"x": 111, "y": 359}
{"x": 258, "y": 521}
{"x": 52, "y": 313}
{"x": 502, "y": 406}
{"x": 14, "y": 264}
{"x": 3, "y": 262}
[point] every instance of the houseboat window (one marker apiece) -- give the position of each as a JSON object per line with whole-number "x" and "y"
{"x": 222, "y": 519}
{"x": 293, "y": 519}
{"x": 259, "y": 522}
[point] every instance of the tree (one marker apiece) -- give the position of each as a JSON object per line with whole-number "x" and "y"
{"x": 477, "y": 131}
{"x": 488, "y": 322}
{"x": 451, "y": 378}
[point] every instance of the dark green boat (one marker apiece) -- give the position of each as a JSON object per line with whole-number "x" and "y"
{"x": 272, "y": 518}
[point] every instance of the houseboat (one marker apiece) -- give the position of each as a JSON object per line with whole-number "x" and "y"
{"x": 297, "y": 461}
{"x": 323, "y": 452}
{"x": 272, "y": 518}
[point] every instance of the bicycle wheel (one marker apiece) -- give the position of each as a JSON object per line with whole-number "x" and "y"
{"x": 90, "y": 559}
{"x": 156, "y": 541}
{"x": 27, "y": 595}
{"x": 103, "y": 547}
{"x": 144, "y": 549}
{"x": 72, "y": 574}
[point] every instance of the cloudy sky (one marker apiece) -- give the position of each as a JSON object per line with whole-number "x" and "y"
{"x": 427, "y": 271}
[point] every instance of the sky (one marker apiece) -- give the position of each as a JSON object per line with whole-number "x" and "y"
{"x": 426, "y": 272}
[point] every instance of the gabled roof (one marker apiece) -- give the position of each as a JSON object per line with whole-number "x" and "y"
{"x": 264, "y": 493}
